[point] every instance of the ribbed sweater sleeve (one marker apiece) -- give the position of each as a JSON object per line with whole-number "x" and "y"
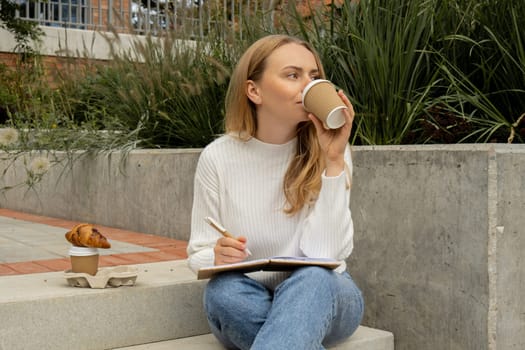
{"x": 328, "y": 229}
{"x": 205, "y": 203}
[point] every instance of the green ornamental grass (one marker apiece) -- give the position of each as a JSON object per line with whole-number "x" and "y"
{"x": 424, "y": 71}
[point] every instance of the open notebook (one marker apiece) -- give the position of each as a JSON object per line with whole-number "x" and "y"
{"x": 277, "y": 263}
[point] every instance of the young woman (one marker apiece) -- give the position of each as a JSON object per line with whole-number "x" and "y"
{"x": 281, "y": 182}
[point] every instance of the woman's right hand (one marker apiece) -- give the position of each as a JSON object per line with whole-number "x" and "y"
{"x": 230, "y": 250}
{"x": 334, "y": 141}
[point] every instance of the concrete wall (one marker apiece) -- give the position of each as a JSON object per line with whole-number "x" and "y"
{"x": 148, "y": 191}
{"x": 73, "y": 42}
{"x": 439, "y": 231}
{"x": 439, "y": 246}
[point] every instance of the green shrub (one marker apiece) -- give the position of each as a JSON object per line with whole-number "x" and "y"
{"x": 426, "y": 71}
{"x": 168, "y": 92}
{"x": 483, "y": 66}
{"x": 378, "y": 52}
{"x": 417, "y": 71}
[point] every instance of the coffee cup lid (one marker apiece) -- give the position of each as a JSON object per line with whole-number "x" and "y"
{"x": 82, "y": 251}
{"x": 310, "y": 84}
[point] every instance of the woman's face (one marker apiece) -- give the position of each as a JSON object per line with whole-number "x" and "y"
{"x": 278, "y": 93}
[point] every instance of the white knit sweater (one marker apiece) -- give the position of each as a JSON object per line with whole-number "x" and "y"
{"x": 240, "y": 184}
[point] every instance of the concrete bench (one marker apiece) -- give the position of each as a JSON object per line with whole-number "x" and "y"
{"x": 363, "y": 339}
{"x": 162, "y": 310}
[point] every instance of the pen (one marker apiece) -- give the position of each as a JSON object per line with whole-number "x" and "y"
{"x": 222, "y": 230}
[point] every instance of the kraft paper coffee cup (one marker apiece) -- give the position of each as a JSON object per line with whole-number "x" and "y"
{"x": 321, "y": 99}
{"x": 84, "y": 260}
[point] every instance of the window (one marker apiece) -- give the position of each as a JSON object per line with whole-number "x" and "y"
{"x": 57, "y": 13}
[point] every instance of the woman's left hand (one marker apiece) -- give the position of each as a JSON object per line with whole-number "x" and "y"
{"x": 333, "y": 141}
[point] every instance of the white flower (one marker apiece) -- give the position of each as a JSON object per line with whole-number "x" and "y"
{"x": 39, "y": 165}
{"x": 8, "y": 136}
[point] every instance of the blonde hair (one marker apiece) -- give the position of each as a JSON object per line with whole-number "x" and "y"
{"x": 302, "y": 181}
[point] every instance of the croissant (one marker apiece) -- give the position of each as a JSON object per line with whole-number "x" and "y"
{"x": 85, "y": 235}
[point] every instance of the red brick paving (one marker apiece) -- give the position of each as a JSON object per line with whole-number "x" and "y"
{"x": 55, "y": 264}
{"x": 6, "y": 270}
{"x": 167, "y": 248}
{"x": 27, "y": 267}
{"x": 112, "y": 260}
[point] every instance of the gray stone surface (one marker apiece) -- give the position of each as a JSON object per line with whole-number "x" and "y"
{"x": 439, "y": 231}
{"x": 40, "y": 311}
{"x": 507, "y": 315}
{"x": 432, "y": 266}
{"x": 149, "y": 191}
{"x": 364, "y": 338}
{"x": 27, "y": 241}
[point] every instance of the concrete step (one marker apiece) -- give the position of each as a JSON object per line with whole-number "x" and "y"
{"x": 364, "y": 338}
{"x": 41, "y": 311}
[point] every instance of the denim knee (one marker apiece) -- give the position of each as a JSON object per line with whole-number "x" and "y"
{"x": 236, "y": 307}
{"x": 217, "y": 294}
{"x": 313, "y": 274}
{"x": 237, "y": 295}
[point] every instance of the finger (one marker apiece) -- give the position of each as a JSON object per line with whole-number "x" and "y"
{"x": 345, "y": 99}
{"x": 229, "y": 252}
{"x": 349, "y": 112}
{"x": 228, "y": 255}
{"x": 349, "y": 116}
{"x": 231, "y": 242}
{"x": 230, "y": 247}
{"x": 242, "y": 239}
{"x": 226, "y": 260}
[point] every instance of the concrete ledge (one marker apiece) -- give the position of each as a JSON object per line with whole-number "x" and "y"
{"x": 41, "y": 309}
{"x": 364, "y": 338}
{"x": 69, "y": 42}
{"x": 164, "y": 304}
{"x": 148, "y": 191}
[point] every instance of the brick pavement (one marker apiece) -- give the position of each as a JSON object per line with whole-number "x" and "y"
{"x": 135, "y": 247}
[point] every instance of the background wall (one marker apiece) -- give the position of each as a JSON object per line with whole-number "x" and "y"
{"x": 439, "y": 230}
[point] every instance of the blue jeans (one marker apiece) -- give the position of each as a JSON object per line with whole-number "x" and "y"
{"x": 312, "y": 308}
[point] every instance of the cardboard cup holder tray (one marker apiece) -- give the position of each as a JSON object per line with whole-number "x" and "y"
{"x": 105, "y": 277}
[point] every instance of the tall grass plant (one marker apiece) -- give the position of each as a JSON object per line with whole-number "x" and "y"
{"x": 417, "y": 72}
{"x": 483, "y": 65}
{"x": 425, "y": 71}
{"x": 165, "y": 91}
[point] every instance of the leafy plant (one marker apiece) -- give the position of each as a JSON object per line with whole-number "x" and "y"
{"x": 416, "y": 71}
{"x": 378, "y": 52}
{"x": 166, "y": 90}
{"x": 425, "y": 71}
{"x": 486, "y": 75}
